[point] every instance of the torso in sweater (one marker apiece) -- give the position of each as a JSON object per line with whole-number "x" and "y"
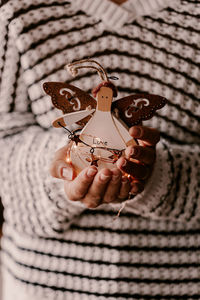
{"x": 60, "y": 250}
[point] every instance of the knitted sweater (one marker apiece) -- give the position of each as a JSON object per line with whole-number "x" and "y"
{"x": 53, "y": 248}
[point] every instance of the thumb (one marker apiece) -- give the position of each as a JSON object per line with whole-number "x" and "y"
{"x": 60, "y": 168}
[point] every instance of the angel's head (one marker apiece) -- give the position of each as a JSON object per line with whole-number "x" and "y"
{"x": 104, "y": 93}
{"x": 106, "y": 84}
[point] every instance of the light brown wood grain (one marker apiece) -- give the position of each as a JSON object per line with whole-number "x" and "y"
{"x": 104, "y": 98}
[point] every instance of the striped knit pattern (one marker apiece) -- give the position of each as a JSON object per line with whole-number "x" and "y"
{"x": 54, "y": 248}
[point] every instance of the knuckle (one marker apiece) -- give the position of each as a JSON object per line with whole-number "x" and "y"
{"x": 124, "y": 191}
{"x": 69, "y": 191}
{"x": 123, "y": 196}
{"x": 109, "y": 198}
{"x": 84, "y": 181}
{"x": 91, "y": 204}
{"x": 95, "y": 192}
{"x": 78, "y": 194}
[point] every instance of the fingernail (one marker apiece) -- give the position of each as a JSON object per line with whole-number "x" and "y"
{"x": 134, "y": 151}
{"x": 104, "y": 177}
{"x": 67, "y": 173}
{"x": 136, "y": 132}
{"x": 123, "y": 162}
{"x": 91, "y": 172}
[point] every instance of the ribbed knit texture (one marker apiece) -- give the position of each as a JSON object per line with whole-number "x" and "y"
{"x": 54, "y": 248}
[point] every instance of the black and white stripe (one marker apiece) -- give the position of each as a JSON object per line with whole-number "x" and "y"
{"x": 52, "y": 247}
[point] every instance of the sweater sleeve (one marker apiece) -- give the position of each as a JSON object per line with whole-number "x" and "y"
{"x": 34, "y": 201}
{"x": 172, "y": 192}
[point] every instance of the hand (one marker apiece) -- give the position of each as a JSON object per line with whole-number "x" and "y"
{"x": 94, "y": 188}
{"x": 139, "y": 159}
{"x": 91, "y": 187}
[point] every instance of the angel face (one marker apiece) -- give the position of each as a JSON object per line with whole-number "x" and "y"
{"x": 104, "y": 98}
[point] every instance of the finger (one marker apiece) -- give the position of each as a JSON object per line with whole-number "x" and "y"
{"x": 113, "y": 187}
{"x": 124, "y": 190}
{"x": 137, "y": 187}
{"x": 78, "y": 188}
{"x": 145, "y": 155}
{"x": 59, "y": 167}
{"x": 150, "y": 136}
{"x": 62, "y": 170}
{"x": 138, "y": 171}
{"x": 97, "y": 189}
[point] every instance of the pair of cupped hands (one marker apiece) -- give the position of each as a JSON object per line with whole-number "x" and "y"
{"x": 93, "y": 187}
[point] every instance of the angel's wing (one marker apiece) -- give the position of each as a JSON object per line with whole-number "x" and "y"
{"x": 135, "y": 108}
{"x": 69, "y": 98}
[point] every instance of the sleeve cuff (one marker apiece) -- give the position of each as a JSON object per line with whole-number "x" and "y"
{"x": 60, "y": 209}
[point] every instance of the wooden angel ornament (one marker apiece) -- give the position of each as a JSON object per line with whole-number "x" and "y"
{"x": 104, "y": 123}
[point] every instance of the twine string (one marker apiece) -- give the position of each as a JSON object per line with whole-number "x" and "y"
{"x": 74, "y": 70}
